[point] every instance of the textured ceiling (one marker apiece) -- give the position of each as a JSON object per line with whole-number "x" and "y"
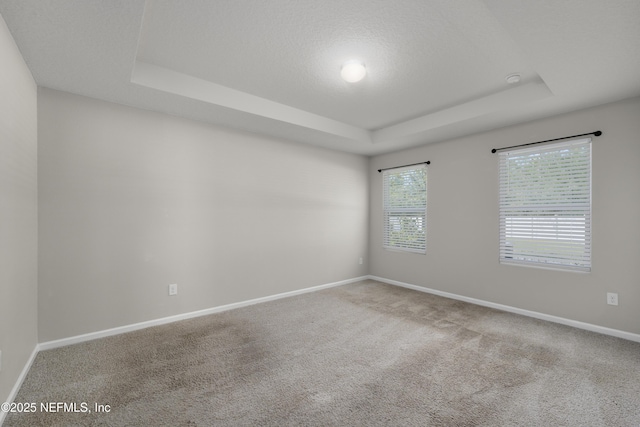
{"x": 436, "y": 69}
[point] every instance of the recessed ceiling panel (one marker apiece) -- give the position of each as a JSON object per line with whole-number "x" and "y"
{"x": 421, "y": 57}
{"x": 435, "y": 68}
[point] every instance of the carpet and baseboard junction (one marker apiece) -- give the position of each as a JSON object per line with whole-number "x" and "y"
{"x": 361, "y": 353}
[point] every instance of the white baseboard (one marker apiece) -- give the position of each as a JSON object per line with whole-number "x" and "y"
{"x": 142, "y": 325}
{"x": 574, "y": 323}
{"x": 21, "y": 377}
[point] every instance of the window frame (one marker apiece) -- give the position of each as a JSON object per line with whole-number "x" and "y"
{"x": 413, "y": 214}
{"x": 558, "y": 196}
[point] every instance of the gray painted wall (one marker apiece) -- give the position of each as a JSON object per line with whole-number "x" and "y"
{"x": 131, "y": 201}
{"x": 18, "y": 212}
{"x": 462, "y": 222}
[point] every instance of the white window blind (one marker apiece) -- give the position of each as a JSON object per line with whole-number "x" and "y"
{"x": 545, "y": 205}
{"x": 405, "y": 208}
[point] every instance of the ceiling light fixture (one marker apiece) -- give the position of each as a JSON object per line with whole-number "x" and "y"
{"x": 513, "y": 78}
{"x": 353, "y": 71}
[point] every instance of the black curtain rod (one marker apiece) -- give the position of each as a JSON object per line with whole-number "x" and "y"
{"x": 596, "y": 133}
{"x": 412, "y": 164}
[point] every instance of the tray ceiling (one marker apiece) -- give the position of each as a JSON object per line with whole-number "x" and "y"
{"x": 435, "y": 69}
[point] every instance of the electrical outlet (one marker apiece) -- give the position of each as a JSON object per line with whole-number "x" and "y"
{"x": 612, "y": 298}
{"x": 173, "y": 289}
{"x": 360, "y": 261}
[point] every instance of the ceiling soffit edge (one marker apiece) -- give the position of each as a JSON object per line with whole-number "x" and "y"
{"x": 177, "y": 83}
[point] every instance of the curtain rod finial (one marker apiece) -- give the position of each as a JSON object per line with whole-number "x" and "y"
{"x": 493, "y": 150}
{"x": 598, "y": 133}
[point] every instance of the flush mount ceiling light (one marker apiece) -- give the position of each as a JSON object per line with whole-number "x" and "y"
{"x": 353, "y": 71}
{"x": 513, "y": 78}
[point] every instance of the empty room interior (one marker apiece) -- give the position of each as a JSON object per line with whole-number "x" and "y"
{"x": 363, "y": 212}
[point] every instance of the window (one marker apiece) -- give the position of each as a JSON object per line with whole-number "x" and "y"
{"x": 405, "y": 208}
{"x": 545, "y": 206}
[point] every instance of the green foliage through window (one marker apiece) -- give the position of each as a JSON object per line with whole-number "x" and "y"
{"x": 405, "y": 206}
{"x": 545, "y": 205}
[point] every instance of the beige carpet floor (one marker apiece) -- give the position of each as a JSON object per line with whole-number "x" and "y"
{"x": 360, "y": 354}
